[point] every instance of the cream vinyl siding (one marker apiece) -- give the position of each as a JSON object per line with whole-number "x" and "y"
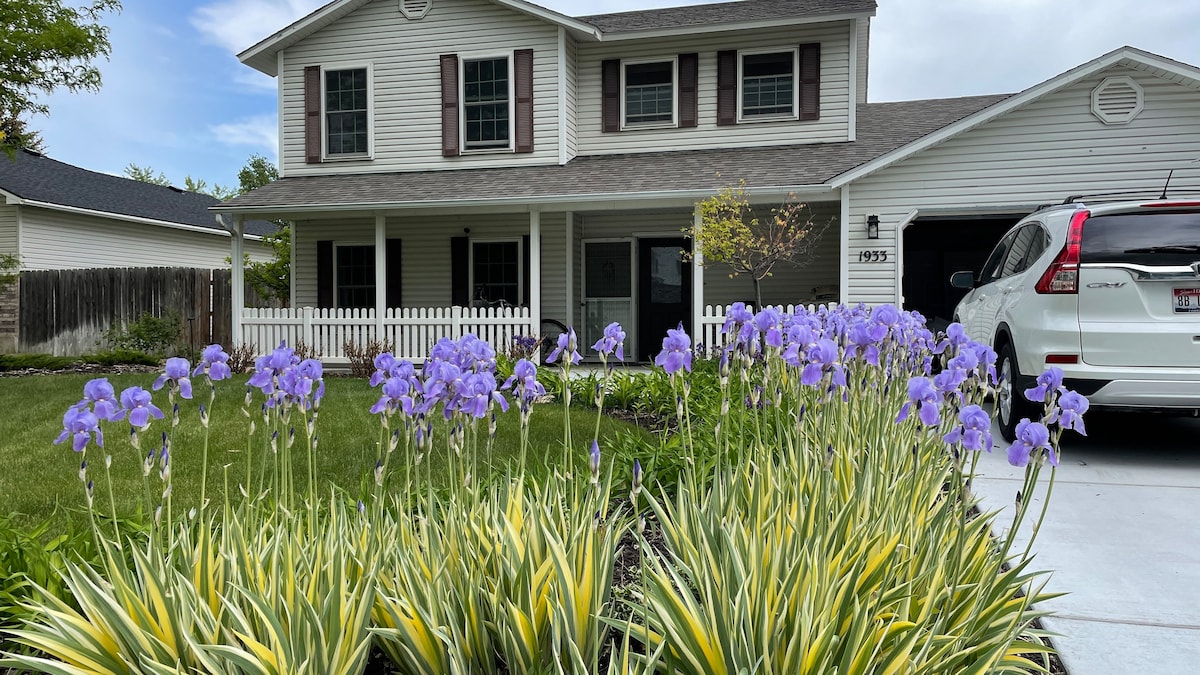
{"x": 52, "y": 240}
{"x": 864, "y": 48}
{"x": 572, "y": 98}
{"x": 425, "y": 251}
{"x": 833, "y": 125}
{"x": 788, "y": 284}
{"x": 1039, "y": 154}
{"x": 8, "y": 228}
{"x": 406, "y": 82}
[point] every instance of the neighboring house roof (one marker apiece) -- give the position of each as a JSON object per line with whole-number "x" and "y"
{"x": 883, "y": 127}
{"x": 624, "y": 25}
{"x": 722, "y": 13}
{"x": 1128, "y": 57}
{"x": 36, "y": 180}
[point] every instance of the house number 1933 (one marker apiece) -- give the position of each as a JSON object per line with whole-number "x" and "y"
{"x": 872, "y": 256}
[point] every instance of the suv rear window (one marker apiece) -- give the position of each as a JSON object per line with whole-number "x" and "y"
{"x": 1154, "y": 238}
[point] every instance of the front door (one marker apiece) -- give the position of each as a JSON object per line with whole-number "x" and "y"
{"x": 664, "y": 292}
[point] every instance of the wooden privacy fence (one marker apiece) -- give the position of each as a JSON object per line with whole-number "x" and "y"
{"x": 66, "y": 312}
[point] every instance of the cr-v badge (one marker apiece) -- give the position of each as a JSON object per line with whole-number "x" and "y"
{"x": 1109, "y": 284}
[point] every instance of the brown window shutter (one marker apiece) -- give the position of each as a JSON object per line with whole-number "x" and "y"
{"x": 523, "y": 85}
{"x": 810, "y": 81}
{"x": 325, "y": 272}
{"x": 610, "y": 88}
{"x": 727, "y": 88}
{"x": 689, "y": 76}
{"x": 312, "y": 114}
{"x": 450, "y": 131}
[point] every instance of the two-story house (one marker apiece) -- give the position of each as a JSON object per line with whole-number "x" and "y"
{"x": 443, "y": 157}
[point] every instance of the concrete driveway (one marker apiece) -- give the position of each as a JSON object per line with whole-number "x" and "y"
{"x": 1122, "y": 538}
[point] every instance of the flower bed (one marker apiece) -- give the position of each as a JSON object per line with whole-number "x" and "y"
{"x": 807, "y": 514}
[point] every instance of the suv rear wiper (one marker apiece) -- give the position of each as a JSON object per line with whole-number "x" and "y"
{"x": 1180, "y": 248}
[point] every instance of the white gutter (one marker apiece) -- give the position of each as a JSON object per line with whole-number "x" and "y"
{"x": 758, "y": 24}
{"x": 127, "y": 218}
{"x": 771, "y": 191}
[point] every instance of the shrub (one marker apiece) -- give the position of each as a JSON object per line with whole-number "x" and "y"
{"x": 119, "y": 357}
{"x": 149, "y": 333}
{"x": 35, "y": 361}
{"x": 362, "y": 357}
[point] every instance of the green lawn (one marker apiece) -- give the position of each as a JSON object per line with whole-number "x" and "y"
{"x": 40, "y": 479}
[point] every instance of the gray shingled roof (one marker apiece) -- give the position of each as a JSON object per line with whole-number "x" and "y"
{"x": 723, "y": 12}
{"x": 883, "y": 127}
{"x": 38, "y": 178}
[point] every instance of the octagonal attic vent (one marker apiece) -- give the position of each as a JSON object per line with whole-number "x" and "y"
{"x": 415, "y": 9}
{"x": 1117, "y": 100}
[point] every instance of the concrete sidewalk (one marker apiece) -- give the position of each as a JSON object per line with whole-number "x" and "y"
{"x": 1122, "y": 538}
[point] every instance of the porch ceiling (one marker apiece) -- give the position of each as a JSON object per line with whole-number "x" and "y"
{"x": 882, "y": 127}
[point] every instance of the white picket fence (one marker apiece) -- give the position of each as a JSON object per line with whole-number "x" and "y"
{"x": 411, "y": 332}
{"x": 712, "y": 320}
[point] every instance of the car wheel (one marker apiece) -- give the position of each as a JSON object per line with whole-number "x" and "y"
{"x": 1011, "y": 404}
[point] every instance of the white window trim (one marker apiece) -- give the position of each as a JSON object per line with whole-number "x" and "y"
{"x": 495, "y": 240}
{"x": 795, "y": 114}
{"x": 337, "y": 245}
{"x": 462, "y": 106}
{"x": 674, "y": 61}
{"x": 358, "y": 156}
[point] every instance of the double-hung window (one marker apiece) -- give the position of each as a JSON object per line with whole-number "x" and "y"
{"x": 354, "y": 267}
{"x": 768, "y": 84}
{"x": 495, "y": 272}
{"x": 649, "y": 93}
{"x": 347, "y": 112}
{"x": 486, "y": 97}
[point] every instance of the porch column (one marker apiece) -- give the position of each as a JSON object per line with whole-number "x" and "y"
{"x": 844, "y": 248}
{"x": 237, "y": 279}
{"x": 569, "y": 314}
{"x": 380, "y": 273}
{"x": 535, "y": 270}
{"x": 697, "y": 278}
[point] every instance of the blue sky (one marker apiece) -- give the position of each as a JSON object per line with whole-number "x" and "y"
{"x": 175, "y": 97}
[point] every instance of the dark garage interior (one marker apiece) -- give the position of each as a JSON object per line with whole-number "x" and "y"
{"x": 935, "y": 248}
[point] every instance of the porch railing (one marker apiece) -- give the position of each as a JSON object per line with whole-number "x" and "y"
{"x": 410, "y": 332}
{"x": 712, "y": 319}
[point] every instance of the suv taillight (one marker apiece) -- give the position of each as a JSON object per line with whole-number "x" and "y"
{"x": 1062, "y": 276}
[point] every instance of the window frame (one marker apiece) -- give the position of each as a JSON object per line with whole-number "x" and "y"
{"x": 495, "y": 240}
{"x": 337, "y": 286}
{"x": 794, "y": 50}
{"x": 344, "y": 157}
{"x": 674, "y": 123}
{"x": 462, "y": 102}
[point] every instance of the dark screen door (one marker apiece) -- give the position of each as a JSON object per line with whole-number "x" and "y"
{"x": 664, "y": 292}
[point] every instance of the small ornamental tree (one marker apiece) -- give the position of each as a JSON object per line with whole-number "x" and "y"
{"x": 731, "y": 233}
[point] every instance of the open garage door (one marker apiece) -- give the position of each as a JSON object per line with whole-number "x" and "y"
{"x": 936, "y": 247}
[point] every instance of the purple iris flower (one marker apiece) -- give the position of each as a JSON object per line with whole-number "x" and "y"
{"x": 479, "y": 393}
{"x": 927, "y": 398}
{"x": 567, "y": 346}
{"x": 1030, "y": 437}
{"x": 956, "y": 336}
{"x": 383, "y": 368}
{"x": 676, "y": 351}
{"x": 137, "y": 404}
{"x": 594, "y": 458}
{"x": 974, "y": 430}
{"x": 865, "y": 337}
{"x": 214, "y": 362}
{"x": 737, "y": 317}
{"x": 176, "y": 372}
{"x": 80, "y": 425}
{"x": 1069, "y": 413}
{"x": 397, "y": 395}
{"x": 613, "y": 340}
{"x": 100, "y": 394}
{"x": 523, "y": 382}
{"x": 986, "y": 356}
{"x": 886, "y": 315}
{"x": 1048, "y": 383}
{"x": 822, "y": 358}
{"x": 769, "y": 322}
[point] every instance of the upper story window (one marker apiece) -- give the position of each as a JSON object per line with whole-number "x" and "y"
{"x": 346, "y": 112}
{"x": 649, "y": 93}
{"x": 782, "y": 83}
{"x": 486, "y": 98}
{"x": 768, "y": 84}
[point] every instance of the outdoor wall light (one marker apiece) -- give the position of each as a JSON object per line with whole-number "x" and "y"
{"x": 872, "y": 227}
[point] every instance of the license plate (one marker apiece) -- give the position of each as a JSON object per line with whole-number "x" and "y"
{"x": 1187, "y": 300}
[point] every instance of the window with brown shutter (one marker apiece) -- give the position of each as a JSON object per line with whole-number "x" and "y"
{"x": 450, "y": 130}
{"x": 689, "y": 75}
{"x": 727, "y": 88}
{"x": 610, "y": 86}
{"x": 810, "y": 81}
{"x": 523, "y": 86}
{"x": 312, "y": 114}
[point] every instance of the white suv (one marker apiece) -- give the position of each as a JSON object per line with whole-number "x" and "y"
{"x": 1107, "y": 291}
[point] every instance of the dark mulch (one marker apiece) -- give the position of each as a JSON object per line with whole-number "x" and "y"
{"x": 83, "y": 368}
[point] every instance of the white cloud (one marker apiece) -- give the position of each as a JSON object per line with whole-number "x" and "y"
{"x": 260, "y": 132}
{"x": 238, "y": 24}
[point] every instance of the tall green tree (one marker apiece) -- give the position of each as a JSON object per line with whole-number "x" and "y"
{"x": 45, "y": 46}
{"x": 16, "y": 134}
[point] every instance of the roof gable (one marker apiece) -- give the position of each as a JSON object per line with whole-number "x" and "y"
{"x": 1129, "y": 57}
